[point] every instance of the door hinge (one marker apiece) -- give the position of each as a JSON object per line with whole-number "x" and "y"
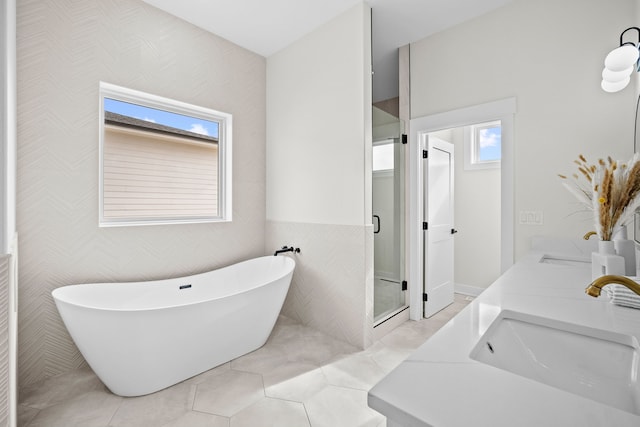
{"x": 404, "y": 138}
{"x": 425, "y": 297}
{"x": 425, "y": 154}
{"x": 404, "y": 285}
{"x": 425, "y": 225}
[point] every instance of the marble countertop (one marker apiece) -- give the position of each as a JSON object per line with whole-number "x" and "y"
{"x": 440, "y": 385}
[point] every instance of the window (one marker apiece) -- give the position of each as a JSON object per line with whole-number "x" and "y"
{"x": 483, "y": 145}
{"x": 383, "y": 157}
{"x": 162, "y": 161}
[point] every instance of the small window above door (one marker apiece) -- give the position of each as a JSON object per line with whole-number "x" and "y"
{"x": 483, "y": 145}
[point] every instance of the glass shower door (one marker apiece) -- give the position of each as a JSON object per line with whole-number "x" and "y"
{"x": 388, "y": 224}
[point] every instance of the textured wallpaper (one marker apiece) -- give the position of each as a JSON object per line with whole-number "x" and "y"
{"x": 4, "y": 338}
{"x": 64, "y": 49}
{"x": 332, "y": 287}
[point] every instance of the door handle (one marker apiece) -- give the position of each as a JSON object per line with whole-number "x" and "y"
{"x": 454, "y": 231}
{"x": 376, "y": 231}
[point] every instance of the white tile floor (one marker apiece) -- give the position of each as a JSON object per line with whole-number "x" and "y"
{"x": 300, "y": 378}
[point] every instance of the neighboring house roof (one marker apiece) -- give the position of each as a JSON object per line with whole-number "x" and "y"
{"x": 116, "y": 119}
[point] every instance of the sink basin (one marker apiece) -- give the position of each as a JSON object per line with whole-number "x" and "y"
{"x": 592, "y": 363}
{"x": 564, "y": 259}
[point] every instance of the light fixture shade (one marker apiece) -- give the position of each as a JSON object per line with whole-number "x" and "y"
{"x": 616, "y": 76}
{"x": 621, "y": 58}
{"x": 615, "y": 86}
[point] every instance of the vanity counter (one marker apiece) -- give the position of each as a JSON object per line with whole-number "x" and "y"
{"x": 439, "y": 385}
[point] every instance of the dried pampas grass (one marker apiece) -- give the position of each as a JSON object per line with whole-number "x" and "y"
{"x": 608, "y": 188}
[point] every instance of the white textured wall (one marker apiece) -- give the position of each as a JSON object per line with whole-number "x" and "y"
{"x": 549, "y": 55}
{"x": 477, "y": 213}
{"x": 5, "y": 340}
{"x": 319, "y": 173}
{"x": 64, "y": 49}
{"x": 319, "y": 115}
{"x": 477, "y": 218}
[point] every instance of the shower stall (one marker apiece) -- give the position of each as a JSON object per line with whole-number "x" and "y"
{"x": 388, "y": 217}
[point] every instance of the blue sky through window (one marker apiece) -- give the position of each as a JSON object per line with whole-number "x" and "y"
{"x": 490, "y": 144}
{"x": 178, "y": 121}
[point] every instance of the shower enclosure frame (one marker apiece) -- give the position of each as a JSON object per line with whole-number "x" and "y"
{"x": 389, "y": 198}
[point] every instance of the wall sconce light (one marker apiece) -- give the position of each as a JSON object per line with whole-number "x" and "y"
{"x": 620, "y": 63}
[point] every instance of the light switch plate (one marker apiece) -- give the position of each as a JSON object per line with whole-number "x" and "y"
{"x": 531, "y": 218}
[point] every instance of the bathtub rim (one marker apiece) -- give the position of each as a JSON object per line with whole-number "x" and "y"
{"x": 59, "y": 291}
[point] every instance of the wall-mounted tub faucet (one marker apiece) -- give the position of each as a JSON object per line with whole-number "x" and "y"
{"x": 287, "y": 249}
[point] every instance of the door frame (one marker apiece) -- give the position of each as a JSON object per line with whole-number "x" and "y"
{"x": 503, "y": 110}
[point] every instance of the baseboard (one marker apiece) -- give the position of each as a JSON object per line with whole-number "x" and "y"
{"x": 461, "y": 288}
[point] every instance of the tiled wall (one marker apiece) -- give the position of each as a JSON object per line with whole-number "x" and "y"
{"x": 64, "y": 49}
{"x": 319, "y": 182}
{"x": 4, "y": 339}
{"x": 332, "y": 286}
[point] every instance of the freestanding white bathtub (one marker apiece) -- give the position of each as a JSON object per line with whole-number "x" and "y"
{"x": 145, "y": 336}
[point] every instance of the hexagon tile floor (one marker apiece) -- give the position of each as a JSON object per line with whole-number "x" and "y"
{"x": 299, "y": 378}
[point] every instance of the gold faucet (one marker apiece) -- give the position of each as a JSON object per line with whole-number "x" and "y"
{"x": 588, "y": 235}
{"x": 596, "y": 286}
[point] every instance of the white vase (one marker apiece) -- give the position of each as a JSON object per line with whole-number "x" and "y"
{"x": 606, "y": 261}
{"x": 625, "y": 248}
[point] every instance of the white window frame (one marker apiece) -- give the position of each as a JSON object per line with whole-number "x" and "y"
{"x": 472, "y": 150}
{"x": 224, "y": 120}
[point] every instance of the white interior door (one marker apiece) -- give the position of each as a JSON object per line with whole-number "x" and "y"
{"x": 439, "y": 233}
